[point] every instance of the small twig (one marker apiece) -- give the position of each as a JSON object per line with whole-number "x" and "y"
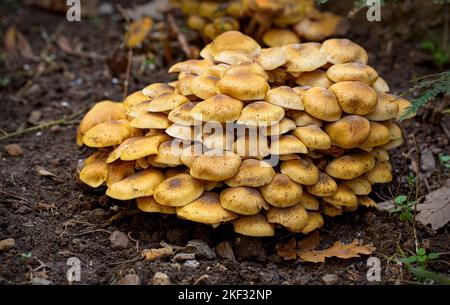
{"x": 41, "y": 126}
{"x": 126, "y": 82}
{"x": 134, "y": 240}
{"x": 92, "y": 231}
{"x": 180, "y": 36}
{"x": 12, "y": 195}
{"x": 201, "y": 278}
{"x": 417, "y": 190}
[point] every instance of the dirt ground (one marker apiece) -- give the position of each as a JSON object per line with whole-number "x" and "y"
{"x": 53, "y": 218}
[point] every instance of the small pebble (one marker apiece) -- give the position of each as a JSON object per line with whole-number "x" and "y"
{"x": 329, "y": 279}
{"x": 7, "y": 244}
{"x": 225, "y": 250}
{"x": 184, "y": 257}
{"x": 40, "y": 281}
{"x": 160, "y": 279}
{"x": 14, "y": 150}
{"x": 200, "y": 249}
{"x": 192, "y": 264}
{"x": 118, "y": 240}
{"x": 34, "y": 117}
{"x": 129, "y": 279}
{"x": 427, "y": 162}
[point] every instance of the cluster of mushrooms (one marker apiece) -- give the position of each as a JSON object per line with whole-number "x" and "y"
{"x": 317, "y": 120}
{"x": 274, "y": 22}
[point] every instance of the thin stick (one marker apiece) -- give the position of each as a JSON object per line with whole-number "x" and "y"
{"x": 41, "y": 126}
{"x": 417, "y": 191}
{"x": 12, "y": 195}
{"x": 128, "y": 72}
{"x": 92, "y": 231}
{"x": 180, "y": 36}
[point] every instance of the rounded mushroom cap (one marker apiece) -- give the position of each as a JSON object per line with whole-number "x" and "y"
{"x": 355, "y": 97}
{"x": 118, "y": 171}
{"x": 261, "y": 114}
{"x": 255, "y": 226}
{"x": 218, "y": 140}
{"x": 320, "y": 25}
{"x": 403, "y": 107}
{"x": 359, "y": 185}
{"x": 216, "y": 165}
{"x": 191, "y": 66}
{"x": 322, "y": 104}
{"x": 293, "y": 218}
{"x": 300, "y": 171}
{"x": 251, "y": 68}
{"x": 107, "y": 134}
{"x": 243, "y": 86}
{"x": 234, "y": 57}
{"x": 280, "y": 37}
{"x": 220, "y": 108}
{"x": 206, "y": 209}
{"x": 233, "y": 40}
{"x": 252, "y": 173}
{"x": 313, "y": 137}
{"x": 380, "y": 85}
{"x": 317, "y": 78}
{"x": 137, "y": 147}
{"x": 341, "y": 51}
{"x": 386, "y": 108}
{"x": 95, "y": 170}
{"x": 343, "y": 197}
{"x": 331, "y": 210}
{"x": 284, "y": 126}
{"x": 191, "y": 153}
{"x": 315, "y": 221}
{"x": 286, "y": 145}
{"x": 187, "y": 133}
{"x": 325, "y": 186}
{"x": 141, "y": 184}
{"x": 178, "y": 190}
{"x": 379, "y": 135}
{"x": 181, "y": 115}
{"x": 204, "y": 86}
{"x": 349, "y": 132}
{"x": 309, "y": 202}
{"x": 380, "y": 154}
{"x": 196, "y": 22}
{"x": 282, "y": 192}
{"x": 218, "y": 70}
{"x": 367, "y": 202}
{"x": 303, "y": 57}
{"x": 302, "y": 118}
{"x": 184, "y": 85}
{"x": 286, "y": 97}
{"x": 150, "y": 121}
{"x": 134, "y": 99}
{"x": 249, "y": 146}
{"x": 380, "y": 173}
{"x": 169, "y": 153}
{"x": 149, "y": 205}
{"x": 242, "y": 200}
{"x": 352, "y": 71}
{"x": 271, "y": 58}
{"x": 102, "y": 112}
{"x": 166, "y": 102}
{"x": 350, "y": 166}
{"x": 156, "y": 89}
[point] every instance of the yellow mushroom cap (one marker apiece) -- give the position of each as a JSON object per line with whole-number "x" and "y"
{"x": 367, "y": 202}
{"x": 271, "y": 58}
{"x": 184, "y": 85}
{"x": 403, "y": 106}
{"x": 380, "y": 154}
{"x": 178, "y": 191}
{"x": 355, "y": 97}
{"x": 309, "y": 202}
{"x": 352, "y": 71}
{"x": 252, "y": 173}
{"x": 320, "y": 25}
{"x": 315, "y": 221}
{"x": 189, "y": 6}
{"x": 325, "y": 186}
{"x": 209, "y": 9}
{"x": 380, "y": 173}
{"x": 218, "y": 70}
{"x": 107, "y": 134}
{"x": 181, "y": 115}
{"x": 280, "y": 37}
{"x": 331, "y": 210}
{"x": 254, "y": 225}
{"x": 190, "y": 153}
{"x": 233, "y": 40}
{"x": 282, "y": 192}
{"x": 359, "y": 185}
{"x": 341, "y": 51}
{"x": 192, "y": 66}
{"x": 242, "y": 200}
{"x": 206, "y": 209}
{"x": 322, "y": 104}
{"x": 95, "y": 170}
{"x": 350, "y": 166}
{"x": 395, "y": 131}
{"x": 248, "y": 146}
{"x": 243, "y": 86}
{"x": 379, "y": 135}
{"x": 287, "y": 144}
{"x": 219, "y": 108}
{"x": 149, "y": 205}
{"x": 187, "y": 133}
{"x": 293, "y": 218}
{"x": 386, "y": 108}
{"x": 134, "y": 99}
{"x": 349, "y": 132}
{"x": 260, "y": 114}
{"x": 166, "y": 102}
{"x": 303, "y": 57}
{"x": 284, "y": 126}
{"x": 317, "y": 78}
{"x": 250, "y": 68}
{"x": 157, "y": 89}
{"x": 300, "y": 171}
{"x": 150, "y": 120}
{"x": 218, "y": 140}
{"x": 302, "y": 118}
{"x": 285, "y": 97}
{"x": 137, "y": 147}
{"x": 343, "y": 197}
{"x": 169, "y": 153}
{"x": 233, "y": 57}
{"x": 204, "y": 86}
{"x": 216, "y": 165}
{"x": 104, "y": 111}
{"x": 140, "y": 184}
{"x": 313, "y": 137}
{"x": 118, "y": 171}
{"x": 380, "y": 85}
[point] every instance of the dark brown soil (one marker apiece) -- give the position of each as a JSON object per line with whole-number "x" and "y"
{"x": 54, "y": 218}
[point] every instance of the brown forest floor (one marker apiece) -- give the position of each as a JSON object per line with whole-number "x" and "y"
{"x": 71, "y": 83}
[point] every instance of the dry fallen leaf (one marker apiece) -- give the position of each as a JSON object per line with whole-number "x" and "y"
{"x": 310, "y": 242}
{"x": 154, "y": 254}
{"x": 339, "y": 250}
{"x": 436, "y": 209}
{"x": 287, "y": 250}
{"x": 138, "y": 31}
{"x": 43, "y": 172}
{"x": 16, "y": 45}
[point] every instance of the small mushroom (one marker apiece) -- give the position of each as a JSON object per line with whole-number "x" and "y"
{"x": 325, "y": 186}
{"x": 252, "y": 173}
{"x": 300, "y": 171}
{"x": 352, "y": 71}
{"x": 178, "y": 191}
{"x": 192, "y": 66}
{"x": 343, "y": 197}
{"x": 137, "y": 147}
{"x": 166, "y": 102}
{"x": 254, "y": 225}
{"x": 313, "y": 137}
{"x": 378, "y": 135}
{"x": 271, "y": 58}
{"x": 157, "y": 89}
{"x": 293, "y": 218}
{"x": 331, "y": 210}
{"x": 350, "y": 166}
{"x": 134, "y": 99}
{"x": 95, "y": 170}
{"x": 315, "y": 221}
{"x": 380, "y": 173}
{"x": 181, "y": 115}
{"x": 287, "y": 144}
{"x": 261, "y": 114}
{"x": 380, "y": 85}
{"x": 321, "y": 103}
{"x": 119, "y": 170}
{"x": 316, "y": 78}
{"x": 232, "y": 40}
{"x": 303, "y": 57}
{"x": 243, "y": 86}
{"x": 386, "y": 108}
{"x": 219, "y": 108}
{"x": 140, "y": 184}
{"x": 216, "y": 165}
{"x": 302, "y": 118}
{"x": 284, "y": 126}
{"x": 280, "y": 37}
{"x": 349, "y": 132}
{"x": 108, "y": 134}
{"x": 149, "y": 205}
{"x": 355, "y": 97}
{"x": 151, "y": 120}
{"x": 169, "y": 153}
{"x": 204, "y": 86}
{"x": 403, "y": 106}
{"x": 341, "y": 51}
{"x": 242, "y": 200}
{"x": 309, "y": 202}
{"x": 359, "y": 185}
{"x": 285, "y": 97}
{"x": 282, "y": 192}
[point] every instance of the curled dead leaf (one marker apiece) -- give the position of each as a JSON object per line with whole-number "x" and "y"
{"x": 138, "y": 31}
{"x": 287, "y": 251}
{"x": 43, "y": 172}
{"x": 16, "y": 45}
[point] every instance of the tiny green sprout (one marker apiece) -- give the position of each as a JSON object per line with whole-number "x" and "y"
{"x": 411, "y": 179}
{"x": 4, "y": 81}
{"x": 404, "y": 207}
{"x": 26, "y": 255}
{"x": 445, "y": 160}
